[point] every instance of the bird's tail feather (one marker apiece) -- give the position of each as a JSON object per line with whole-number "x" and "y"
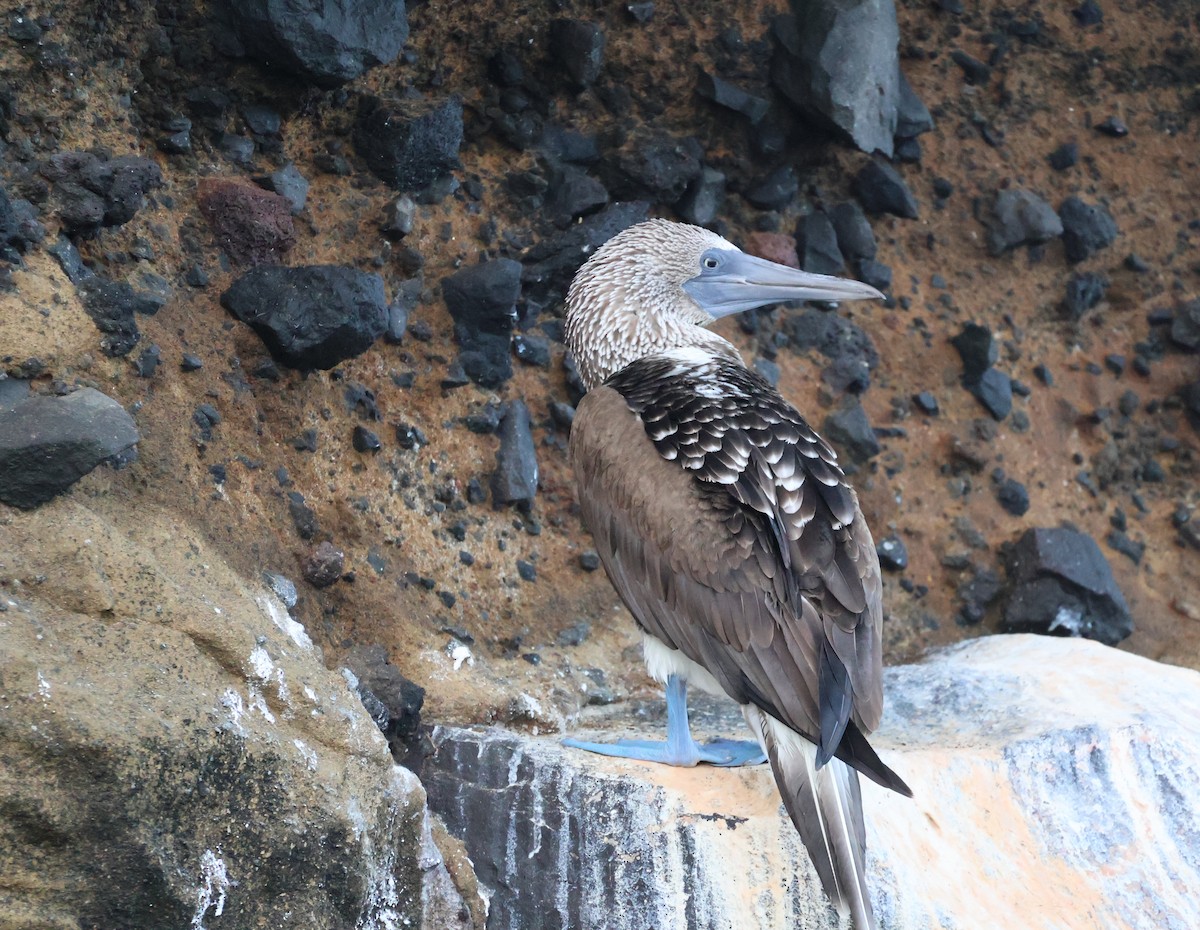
{"x": 825, "y": 804}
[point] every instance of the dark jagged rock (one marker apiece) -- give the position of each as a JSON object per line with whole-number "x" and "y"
{"x": 926, "y": 403}
{"x": 549, "y": 265}
{"x": 850, "y": 432}
{"x": 731, "y": 97}
{"x": 1129, "y": 548}
{"x": 1013, "y": 497}
{"x": 19, "y": 226}
{"x": 112, "y": 305}
{"x": 702, "y": 201}
{"x": 578, "y": 47}
{"x": 912, "y": 116}
{"x": 893, "y": 554}
{"x": 407, "y": 144}
{"x": 1185, "y": 327}
{"x": 206, "y": 417}
{"x": 776, "y": 190}
{"x": 1062, "y": 584}
{"x": 817, "y": 245}
{"x": 398, "y": 217}
{"x": 532, "y": 350}
{"x": 393, "y": 701}
{"x": 874, "y": 273}
{"x": 69, "y": 259}
{"x": 147, "y": 362}
{"x": 838, "y": 62}
{"x": 880, "y": 189}
{"x": 364, "y": 440}
{"x": 1064, "y": 157}
{"x": 516, "y": 476}
{"x": 251, "y": 225}
{"x": 832, "y": 335}
{"x": 1084, "y": 291}
{"x": 1113, "y": 126}
{"x": 325, "y": 43}
{"x": 574, "y": 193}
{"x": 978, "y": 350}
{"x": 262, "y": 120}
{"x": 977, "y": 593}
{"x": 1019, "y": 217}
{"x": 848, "y": 374}
{"x": 654, "y": 165}
{"x": 312, "y": 316}
{"x": 855, "y": 238}
{"x": 190, "y": 362}
{"x": 994, "y": 391}
{"x": 48, "y": 443}
{"x": 1088, "y": 13}
{"x": 238, "y": 149}
{"x": 289, "y": 184}
{"x": 91, "y": 192}
{"x": 1086, "y": 228}
{"x": 974, "y": 70}
{"x": 323, "y": 565}
{"x": 482, "y": 301}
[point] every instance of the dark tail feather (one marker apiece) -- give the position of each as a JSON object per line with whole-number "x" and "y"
{"x": 826, "y": 807}
{"x": 855, "y": 751}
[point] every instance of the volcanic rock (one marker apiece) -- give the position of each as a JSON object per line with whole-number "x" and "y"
{"x": 1086, "y": 228}
{"x": 654, "y": 165}
{"x": 252, "y": 225}
{"x": 817, "y": 244}
{"x": 289, "y": 184}
{"x": 1185, "y": 327}
{"x": 48, "y": 443}
{"x": 312, "y": 316}
{"x": 912, "y": 116}
{"x": 702, "y": 201}
{"x": 1084, "y": 291}
{"x": 838, "y": 62}
{"x": 482, "y": 300}
{"x": 849, "y": 432}
{"x": 393, "y": 701}
{"x": 112, "y": 306}
{"x": 578, "y": 47}
{"x": 893, "y": 554}
{"x": 91, "y": 192}
{"x": 731, "y": 97}
{"x": 516, "y": 476}
{"x": 324, "y": 565}
{"x": 880, "y": 189}
{"x": 326, "y": 43}
{"x": 408, "y": 144}
{"x": 1019, "y": 217}
{"x": 855, "y": 238}
{"x": 1062, "y": 584}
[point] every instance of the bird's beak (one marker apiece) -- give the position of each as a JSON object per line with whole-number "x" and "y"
{"x": 743, "y": 282}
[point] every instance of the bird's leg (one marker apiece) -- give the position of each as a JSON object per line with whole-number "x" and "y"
{"x": 679, "y": 748}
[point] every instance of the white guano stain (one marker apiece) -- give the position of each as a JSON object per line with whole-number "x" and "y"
{"x": 214, "y": 881}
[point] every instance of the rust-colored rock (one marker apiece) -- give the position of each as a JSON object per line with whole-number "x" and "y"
{"x": 252, "y": 225}
{"x": 774, "y": 247}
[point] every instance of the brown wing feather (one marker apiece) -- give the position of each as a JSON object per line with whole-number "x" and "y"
{"x": 688, "y": 560}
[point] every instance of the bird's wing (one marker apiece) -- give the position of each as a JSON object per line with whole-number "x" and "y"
{"x": 729, "y": 531}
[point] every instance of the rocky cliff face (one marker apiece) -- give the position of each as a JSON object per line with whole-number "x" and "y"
{"x": 280, "y": 308}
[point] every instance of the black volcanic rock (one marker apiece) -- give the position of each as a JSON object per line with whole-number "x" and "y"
{"x": 1185, "y": 327}
{"x": 880, "y": 189}
{"x": 1086, "y": 228}
{"x": 978, "y": 350}
{"x": 655, "y": 165}
{"x": 855, "y": 238}
{"x": 1013, "y": 496}
{"x": 112, "y": 306}
{"x": 893, "y": 554}
{"x": 393, "y": 701}
{"x": 325, "y": 43}
{"x": 850, "y": 432}
{"x": 90, "y": 192}
{"x": 776, "y": 190}
{"x": 1062, "y": 585}
{"x": 312, "y": 316}
{"x": 408, "y": 144}
{"x": 1019, "y": 217}
{"x": 912, "y": 116}
{"x": 482, "y": 301}
{"x": 552, "y": 262}
{"x": 731, "y": 97}
{"x": 1064, "y": 157}
{"x": 573, "y": 193}
{"x": 817, "y": 244}
{"x": 578, "y": 47}
{"x": 702, "y": 201}
{"x": 832, "y": 335}
{"x": 516, "y": 476}
{"x": 1084, "y": 291}
{"x": 994, "y": 391}
{"x": 47, "y": 443}
{"x": 838, "y": 62}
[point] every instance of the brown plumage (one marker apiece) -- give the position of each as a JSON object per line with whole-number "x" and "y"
{"x": 727, "y": 527}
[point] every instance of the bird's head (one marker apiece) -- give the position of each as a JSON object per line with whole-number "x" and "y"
{"x": 651, "y": 287}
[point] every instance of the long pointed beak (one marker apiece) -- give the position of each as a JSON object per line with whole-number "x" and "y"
{"x": 743, "y": 282}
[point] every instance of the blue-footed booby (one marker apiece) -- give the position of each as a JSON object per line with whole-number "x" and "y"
{"x": 728, "y": 529}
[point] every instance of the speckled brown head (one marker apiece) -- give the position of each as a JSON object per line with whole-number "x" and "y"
{"x": 658, "y": 285}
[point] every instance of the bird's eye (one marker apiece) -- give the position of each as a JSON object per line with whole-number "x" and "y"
{"x": 710, "y": 262}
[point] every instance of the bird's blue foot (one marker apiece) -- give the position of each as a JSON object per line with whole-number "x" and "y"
{"x": 679, "y": 747}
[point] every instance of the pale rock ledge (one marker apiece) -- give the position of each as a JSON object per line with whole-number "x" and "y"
{"x": 1056, "y": 781}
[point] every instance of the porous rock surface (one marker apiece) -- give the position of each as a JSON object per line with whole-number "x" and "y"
{"x": 1055, "y": 787}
